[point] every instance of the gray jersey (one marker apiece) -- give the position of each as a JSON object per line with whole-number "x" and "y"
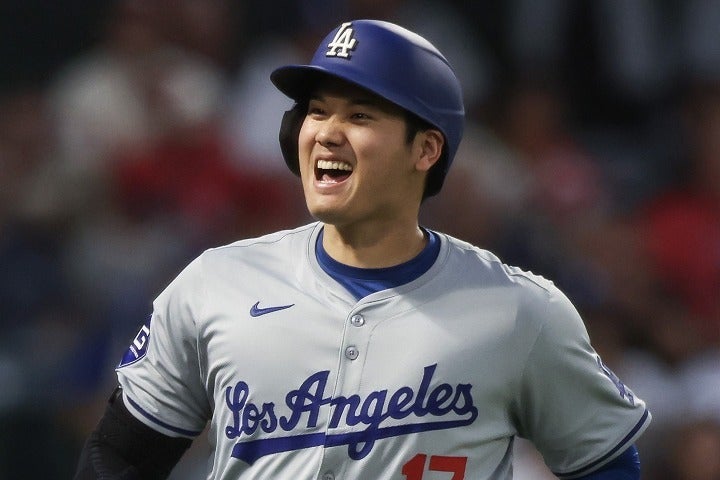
{"x": 431, "y": 380}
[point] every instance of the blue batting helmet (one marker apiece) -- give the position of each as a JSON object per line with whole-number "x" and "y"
{"x": 390, "y": 61}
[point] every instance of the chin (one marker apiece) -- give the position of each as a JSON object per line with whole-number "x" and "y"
{"x": 324, "y": 208}
{"x": 327, "y": 216}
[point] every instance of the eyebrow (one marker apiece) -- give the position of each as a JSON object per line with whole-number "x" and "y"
{"x": 363, "y": 100}
{"x": 359, "y": 100}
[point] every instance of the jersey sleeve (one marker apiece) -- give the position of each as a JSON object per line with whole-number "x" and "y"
{"x": 575, "y": 410}
{"x": 160, "y": 373}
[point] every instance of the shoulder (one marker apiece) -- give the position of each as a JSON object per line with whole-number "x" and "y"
{"x": 472, "y": 262}
{"x": 529, "y": 298}
{"x": 271, "y": 240}
{"x": 267, "y": 250}
{"x": 239, "y": 260}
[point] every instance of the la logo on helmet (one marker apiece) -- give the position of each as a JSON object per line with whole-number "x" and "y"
{"x": 342, "y": 43}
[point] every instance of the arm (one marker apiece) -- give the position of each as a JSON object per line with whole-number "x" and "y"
{"x": 123, "y": 448}
{"x": 624, "y": 467}
{"x": 571, "y": 405}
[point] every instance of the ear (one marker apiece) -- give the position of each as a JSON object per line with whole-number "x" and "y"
{"x": 429, "y": 144}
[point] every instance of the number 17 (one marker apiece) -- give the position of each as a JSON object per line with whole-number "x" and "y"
{"x": 415, "y": 467}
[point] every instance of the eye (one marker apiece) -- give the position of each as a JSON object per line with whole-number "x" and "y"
{"x": 361, "y": 116}
{"x": 314, "y": 110}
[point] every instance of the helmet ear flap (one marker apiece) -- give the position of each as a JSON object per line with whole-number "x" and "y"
{"x": 289, "y": 131}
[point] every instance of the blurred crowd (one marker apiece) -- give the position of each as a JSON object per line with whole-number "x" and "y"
{"x": 136, "y": 133}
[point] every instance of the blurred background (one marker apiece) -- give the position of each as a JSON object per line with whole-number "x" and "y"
{"x": 136, "y": 133}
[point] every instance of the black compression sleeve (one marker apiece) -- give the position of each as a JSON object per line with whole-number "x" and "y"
{"x": 123, "y": 448}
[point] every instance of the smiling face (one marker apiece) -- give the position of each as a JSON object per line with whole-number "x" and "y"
{"x": 356, "y": 163}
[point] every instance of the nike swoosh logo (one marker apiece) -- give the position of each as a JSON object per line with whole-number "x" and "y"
{"x": 256, "y": 311}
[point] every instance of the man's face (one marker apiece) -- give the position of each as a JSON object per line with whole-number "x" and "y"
{"x": 355, "y": 162}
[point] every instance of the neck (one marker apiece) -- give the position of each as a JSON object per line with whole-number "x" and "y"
{"x": 374, "y": 246}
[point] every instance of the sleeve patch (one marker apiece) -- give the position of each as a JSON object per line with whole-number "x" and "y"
{"x": 138, "y": 348}
{"x": 625, "y": 392}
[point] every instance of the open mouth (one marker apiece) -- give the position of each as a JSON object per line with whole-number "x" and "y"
{"x": 332, "y": 171}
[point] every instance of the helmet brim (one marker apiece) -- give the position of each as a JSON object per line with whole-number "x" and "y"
{"x": 300, "y": 81}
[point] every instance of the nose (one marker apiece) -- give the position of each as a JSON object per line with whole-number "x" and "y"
{"x": 329, "y": 133}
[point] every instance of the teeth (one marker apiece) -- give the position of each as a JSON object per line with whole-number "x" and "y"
{"x": 333, "y": 165}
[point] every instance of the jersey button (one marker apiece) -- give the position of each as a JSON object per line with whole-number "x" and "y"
{"x": 328, "y": 476}
{"x": 357, "y": 320}
{"x": 352, "y": 352}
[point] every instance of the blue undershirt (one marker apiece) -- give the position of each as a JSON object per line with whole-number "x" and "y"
{"x": 361, "y": 282}
{"x": 624, "y": 467}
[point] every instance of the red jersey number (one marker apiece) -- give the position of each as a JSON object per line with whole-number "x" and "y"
{"x": 415, "y": 467}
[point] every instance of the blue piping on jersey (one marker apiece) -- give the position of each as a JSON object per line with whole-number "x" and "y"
{"x": 622, "y": 444}
{"x": 625, "y": 467}
{"x": 181, "y": 431}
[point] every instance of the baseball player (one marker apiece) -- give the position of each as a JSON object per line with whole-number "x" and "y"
{"x": 364, "y": 346}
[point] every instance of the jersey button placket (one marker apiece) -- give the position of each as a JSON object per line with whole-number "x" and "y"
{"x": 352, "y": 352}
{"x": 354, "y": 341}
